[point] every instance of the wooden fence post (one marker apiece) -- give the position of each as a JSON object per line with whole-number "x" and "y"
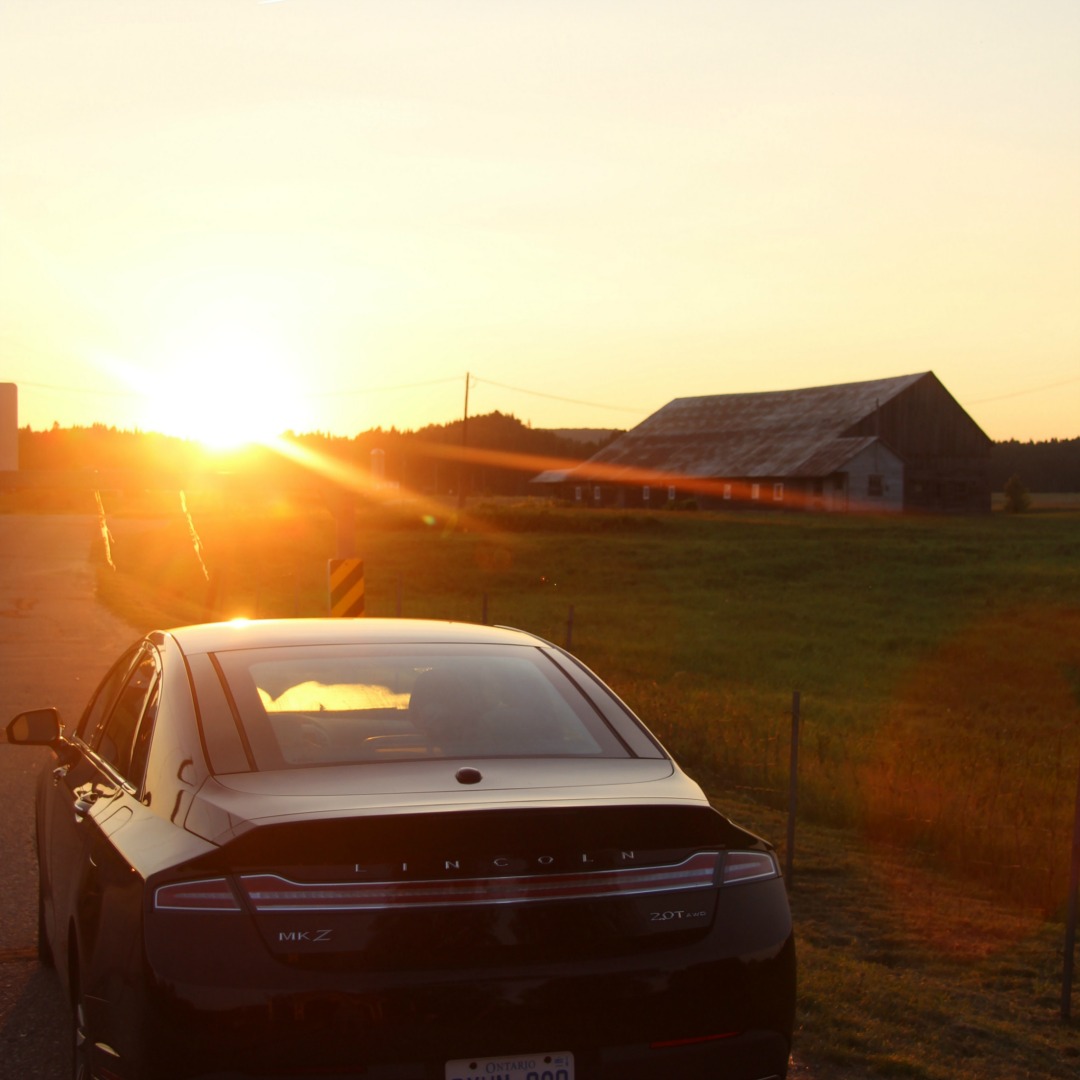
{"x": 1070, "y": 921}
{"x": 793, "y": 787}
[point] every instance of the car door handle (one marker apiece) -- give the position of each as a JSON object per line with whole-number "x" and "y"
{"x": 84, "y": 802}
{"x": 59, "y": 773}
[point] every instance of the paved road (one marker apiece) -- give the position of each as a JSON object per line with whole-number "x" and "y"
{"x": 55, "y": 643}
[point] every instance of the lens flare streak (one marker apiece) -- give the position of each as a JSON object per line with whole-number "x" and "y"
{"x": 196, "y": 543}
{"x": 106, "y": 536}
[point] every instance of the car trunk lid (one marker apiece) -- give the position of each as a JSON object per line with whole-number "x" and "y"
{"x": 479, "y": 887}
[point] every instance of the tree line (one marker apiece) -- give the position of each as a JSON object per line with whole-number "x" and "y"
{"x": 492, "y": 454}
{"x": 1050, "y": 466}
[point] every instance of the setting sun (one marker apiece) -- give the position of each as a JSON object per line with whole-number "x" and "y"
{"x": 225, "y": 390}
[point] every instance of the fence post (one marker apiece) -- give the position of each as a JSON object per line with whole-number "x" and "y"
{"x": 1070, "y": 922}
{"x": 793, "y": 786}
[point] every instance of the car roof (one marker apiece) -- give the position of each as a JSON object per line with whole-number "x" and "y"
{"x": 275, "y": 633}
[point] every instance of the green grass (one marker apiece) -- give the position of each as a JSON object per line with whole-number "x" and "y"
{"x": 938, "y": 662}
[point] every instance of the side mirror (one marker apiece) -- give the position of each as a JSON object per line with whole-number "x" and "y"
{"x": 39, "y": 727}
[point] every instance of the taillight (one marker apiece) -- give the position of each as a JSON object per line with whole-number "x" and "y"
{"x": 210, "y": 894}
{"x": 741, "y": 867}
{"x": 269, "y": 892}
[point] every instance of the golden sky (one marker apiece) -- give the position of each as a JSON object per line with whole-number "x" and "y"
{"x": 320, "y": 214}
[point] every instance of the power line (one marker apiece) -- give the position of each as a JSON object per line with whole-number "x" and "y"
{"x": 356, "y": 392}
{"x": 360, "y": 391}
{"x": 80, "y": 389}
{"x": 556, "y": 397}
{"x": 1029, "y": 390}
{"x": 382, "y": 389}
{"x": 310, "y": 394}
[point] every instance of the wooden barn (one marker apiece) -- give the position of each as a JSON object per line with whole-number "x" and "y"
{"x": 886, "y": 445}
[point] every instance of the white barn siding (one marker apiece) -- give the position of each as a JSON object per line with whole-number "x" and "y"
{"x": 875, "y": 482}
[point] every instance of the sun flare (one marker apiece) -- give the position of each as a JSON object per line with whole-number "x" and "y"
{"x": 230, "y": 389}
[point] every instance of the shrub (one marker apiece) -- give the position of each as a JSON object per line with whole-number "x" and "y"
{"x": 1017, "y": 499}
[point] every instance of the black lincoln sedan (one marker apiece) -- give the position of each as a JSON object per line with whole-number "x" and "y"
{"x": 395, "y": 850}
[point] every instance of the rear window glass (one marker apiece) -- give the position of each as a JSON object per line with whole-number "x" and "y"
{"x": 331, "y": 705}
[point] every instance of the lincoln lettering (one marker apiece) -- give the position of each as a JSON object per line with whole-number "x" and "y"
{"x": 505, "y": 862}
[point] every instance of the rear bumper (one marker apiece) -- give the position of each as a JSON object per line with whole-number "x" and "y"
{"x": 755, "y": 1055}
{"x": 724, "y": 1019}
{"x": 721, "y": 1005}
{"x": 752, "y": 1056}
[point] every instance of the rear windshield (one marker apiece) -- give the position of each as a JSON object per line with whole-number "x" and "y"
{"x": 331, "y": 705}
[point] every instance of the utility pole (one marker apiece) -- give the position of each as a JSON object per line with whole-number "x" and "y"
{"x": 464, "y": 444}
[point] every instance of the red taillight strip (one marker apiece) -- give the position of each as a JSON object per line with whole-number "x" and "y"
{"x": 211, "y": 894}
{"x": 269, "y": 892}
{"x": 741, "y": 867}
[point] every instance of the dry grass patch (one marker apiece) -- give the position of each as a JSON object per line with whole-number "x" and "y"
{"x": 905, "y": 972}
{"x": 976, "y": 758}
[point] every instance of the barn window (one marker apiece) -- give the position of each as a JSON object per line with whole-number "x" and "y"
{"x": 755, "y": 491}
{"x": 671, "y": 493}
{"x": 727, "y": 491}
{"x": 778, "y": 492}
{"x": 875, "y": 485}
{"x": 645, "y": 493}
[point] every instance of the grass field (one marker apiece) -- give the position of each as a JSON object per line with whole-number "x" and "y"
{"x": 904, "y": 972}
{"x": 938, "y": 663}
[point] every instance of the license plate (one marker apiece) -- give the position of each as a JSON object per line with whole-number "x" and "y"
{"x": 555, "y": 1066}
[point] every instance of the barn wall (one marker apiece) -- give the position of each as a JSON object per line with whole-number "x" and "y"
{"x": 752, "y": 493}
{"x": 875, "y": 481}
{"x": 849, "y": 491}
{"x": 825, "y": 494}
{"x": 946, "y": 453}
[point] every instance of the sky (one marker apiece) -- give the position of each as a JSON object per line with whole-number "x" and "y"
{"x": 229, "y": 218}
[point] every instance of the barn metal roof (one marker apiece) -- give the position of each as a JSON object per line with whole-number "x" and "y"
{"x": 777, "y": 433}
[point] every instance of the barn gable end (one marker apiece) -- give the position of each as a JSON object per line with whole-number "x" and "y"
{"x": 946, "y": 454}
